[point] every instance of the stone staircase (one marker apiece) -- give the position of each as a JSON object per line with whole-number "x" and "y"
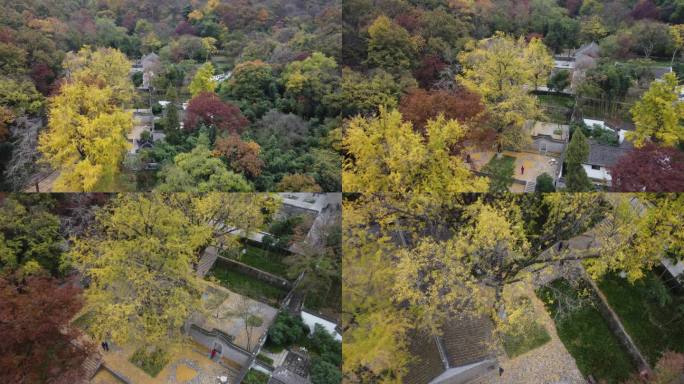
{"x": 207, "y": 261}
{"x": 91, "y": 364}
{"x": 530, "y": 186}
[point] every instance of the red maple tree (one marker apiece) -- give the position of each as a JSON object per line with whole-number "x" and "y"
{"x": 242, "y": 156}
{"x": 428, "y": 71}
{"x": 43, "y": 76}
{"x": 419, "y": 106}
{"x": 38, "y": 344}
{"x": 651, "y": 169}
{"x": 645, "y": 9}
{"x": 209, "y": 110}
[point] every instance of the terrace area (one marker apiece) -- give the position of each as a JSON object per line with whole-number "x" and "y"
{"x": 188, "y": 364}
{"x": 534, "y": 165}
{"x": 227, "y": 316}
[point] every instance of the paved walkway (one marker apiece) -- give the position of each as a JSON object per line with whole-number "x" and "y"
{"x": 104, "y": 377}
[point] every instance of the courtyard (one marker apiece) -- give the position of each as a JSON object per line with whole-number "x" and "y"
{"x": 227, "y": 314}
{"x": 527, "y": 166}
{"x": 188, "y": 363}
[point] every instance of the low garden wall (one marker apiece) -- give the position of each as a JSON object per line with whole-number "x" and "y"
{"x": 228, "y": 349}
{"x": 269, "y": 278}
{"x": 616, "y": 326}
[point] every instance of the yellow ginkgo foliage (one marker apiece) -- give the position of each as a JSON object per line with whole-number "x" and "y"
{"x": 658, "y": 115}
{"x": 504, "y": 70}
{"x": 387, "y": 155}
{"x": 86, "y": 136}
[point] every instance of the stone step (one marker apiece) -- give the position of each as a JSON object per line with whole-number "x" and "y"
{"x": 207, "y": 261}
{"x": 91, "y": 365}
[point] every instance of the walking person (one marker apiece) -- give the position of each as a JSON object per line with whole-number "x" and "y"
{"x": 213, "y": 353}
{"x": 522, "y": 169}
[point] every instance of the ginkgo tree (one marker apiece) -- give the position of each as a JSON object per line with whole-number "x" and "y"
{"x": 471, "y": 258}
{"x": 658, "y": 115}
{"x": 86, "y": 136}
{"x": 140, "y": 257}
{"x": 504, "y": 70}
{"x": 375, "y": 328}
{"x": 203, "y": 80}
{"x": 386, "y": 155}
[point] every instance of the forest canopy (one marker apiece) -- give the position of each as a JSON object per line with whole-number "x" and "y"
{"x": 239, "y": 60}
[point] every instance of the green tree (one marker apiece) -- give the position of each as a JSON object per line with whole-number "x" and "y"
{"x": 322, "y": 372}
{"x": 658, "y": 115}
{"x": 559, "y": 81}
{"x": 652, "y": 38}
{"x": 593, "y": 29}
{"x": 199, "y": 171}
{"x": 545, "y": 184}
{"x": 30, "y": 237}
{"x": 253, "y": 86}
{"x": 202, "y": 81}
{"x": 577, "y": 154}
{"x": 12, "y": 59}
{"x": 500, "y": 173}
{"x": 563, "y": 33}
{"x": 171, "y": 119}
{"x": 20, "y": 96}
{"x": 390, "y": 46}
{"x": 309, "y": 82}
{"x": 286, "y": 330}
{"x": 361, "y": 95}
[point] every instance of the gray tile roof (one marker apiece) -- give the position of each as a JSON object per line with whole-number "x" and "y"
{"x": 464, "y": 340}
{"x": 605, "y": 155}
{"x": 591, "y": 50}
{"x": 660, "y": 72}
{"x": 427, "y": 363}
{"x": 294, "y": 370}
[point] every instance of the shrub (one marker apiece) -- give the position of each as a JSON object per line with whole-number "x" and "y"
{"x": 265, "y": 359}
{"x": 137, "y": 79}
{"x": 287, "y": 330}
{"x": 323, "y": 372}
{"x": 255, "y": 377}
{"x": 325, "y": 345}
{"x": 150, "y": 362}
{"x": 157, "y": 109}
{"x": 545, "y": 184}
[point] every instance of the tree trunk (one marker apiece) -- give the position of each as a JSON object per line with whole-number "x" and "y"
{"x": 499, "y": 305}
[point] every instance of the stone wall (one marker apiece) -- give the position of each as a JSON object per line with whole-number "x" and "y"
{"x": 228, "y": 349}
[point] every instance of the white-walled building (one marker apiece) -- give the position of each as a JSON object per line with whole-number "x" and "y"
{"x": 311, "y": 320}
{"x": 601, "y": 158}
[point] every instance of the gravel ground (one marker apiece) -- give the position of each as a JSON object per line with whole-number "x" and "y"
{"x": 549, "y": 364}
